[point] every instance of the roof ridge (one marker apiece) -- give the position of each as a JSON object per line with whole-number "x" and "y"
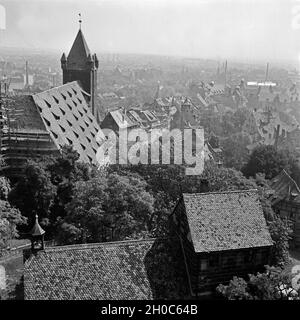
{"x": 295, "y": 183}
{"x": 221, "y": 192}
{"x": 83, "y": 246}
{"x": 58, "y": 87}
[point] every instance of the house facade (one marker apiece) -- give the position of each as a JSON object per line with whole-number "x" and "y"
{"x": 285, "y": 201}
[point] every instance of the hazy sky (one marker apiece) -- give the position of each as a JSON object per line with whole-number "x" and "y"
{"x": 245, "y": 29}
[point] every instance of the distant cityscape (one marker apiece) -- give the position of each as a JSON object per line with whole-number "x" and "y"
{"x": 72, "y": 228}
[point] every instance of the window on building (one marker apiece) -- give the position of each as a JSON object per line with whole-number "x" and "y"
{"x": 259, "y": 257}
{"x": 231, "y": 261}
{"x": 203, "y": 264}
{"x": 248, "y": 258}
{"x": 214, "y": 261}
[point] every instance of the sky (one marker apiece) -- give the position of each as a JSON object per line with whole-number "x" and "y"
{"x": 262, "y": 30}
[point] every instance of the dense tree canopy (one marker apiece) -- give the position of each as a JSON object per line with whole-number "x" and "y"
{"x": 107, "y": 207}
{"x": 268, "y": 160}
{"x": 47, "y": 186}
{"x": 273, "y": 284}
{"x": 10, "y": 217}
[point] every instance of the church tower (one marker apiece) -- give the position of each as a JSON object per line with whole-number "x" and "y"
{"x": 81, "y": 66}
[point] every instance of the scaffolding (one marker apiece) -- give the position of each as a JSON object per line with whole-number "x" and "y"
{"x": 18, "y": 144}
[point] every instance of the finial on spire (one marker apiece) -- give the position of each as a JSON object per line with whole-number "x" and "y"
{"x": 80, "y": 21}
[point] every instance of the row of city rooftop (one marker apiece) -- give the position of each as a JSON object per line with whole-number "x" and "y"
{"x": 216, "y": 235}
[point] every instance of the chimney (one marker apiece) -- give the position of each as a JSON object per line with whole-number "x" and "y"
{"x": 225, "y": 81}
{"x": 277, "y": 136}
{"x": 26, "y": 75}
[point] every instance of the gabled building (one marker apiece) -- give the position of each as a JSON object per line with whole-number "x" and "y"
{"x": 285, "y": 201}
{"x": 119, "y": 120}
{"x": 268, "y": 127}
{"x": 224, "y": 234}
{"x": 82, "y": 66}
{"x": 34, "y": 125}
{"x": 123, "y": 270}
{"x": 213, "y": 237}
{"x": 43, "y": 123}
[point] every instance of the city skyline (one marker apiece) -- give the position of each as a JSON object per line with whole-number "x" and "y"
{"x": 250, "y": 31}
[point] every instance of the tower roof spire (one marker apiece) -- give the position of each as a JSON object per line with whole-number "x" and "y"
{"x": 79, "y": 53}
{"x": 37, "y": 229}
{"x": 80, "y": 21}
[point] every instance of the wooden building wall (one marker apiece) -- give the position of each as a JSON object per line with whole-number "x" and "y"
{"x": 207, "y": 270}
{"x": 291, "y": 211}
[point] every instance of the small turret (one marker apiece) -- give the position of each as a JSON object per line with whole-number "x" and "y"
{"x": 96, "y": 61}
{"x": 63, "y": 61}
{"x": 37, "y": 236}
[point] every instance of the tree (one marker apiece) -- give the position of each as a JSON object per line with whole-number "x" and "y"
{"x": 269, "y": 161}
{"x": 47, "y": 187}
{"x": 107, "y": 207}
{"x": 273, "y": 284}
{"x": 235, "y": 153}
{"x": 281, "y": 232}
{"x": 4, "y": 188}
{"x": 34, "y": 194}
{"x": 9, "y": 219}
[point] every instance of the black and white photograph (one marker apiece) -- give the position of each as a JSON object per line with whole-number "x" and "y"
{"x": 149, "y": 151}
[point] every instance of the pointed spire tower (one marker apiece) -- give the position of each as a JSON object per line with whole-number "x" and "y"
{"x": 37, "y": 236}
{"x": 81, "y": 66}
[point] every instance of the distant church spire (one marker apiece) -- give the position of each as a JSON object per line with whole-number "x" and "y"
{"x": 81, "y": 66}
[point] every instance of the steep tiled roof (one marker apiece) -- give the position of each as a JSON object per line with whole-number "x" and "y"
{"x": 226, "y": 220}
{"x": 122, "y": 119}
{"x": 23, "y": 115}
{"x": 79, "y": 53}
{"x": 69, "y": 120}
{"x": 144, "y": 269}
{"x": 285, "y": 188}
